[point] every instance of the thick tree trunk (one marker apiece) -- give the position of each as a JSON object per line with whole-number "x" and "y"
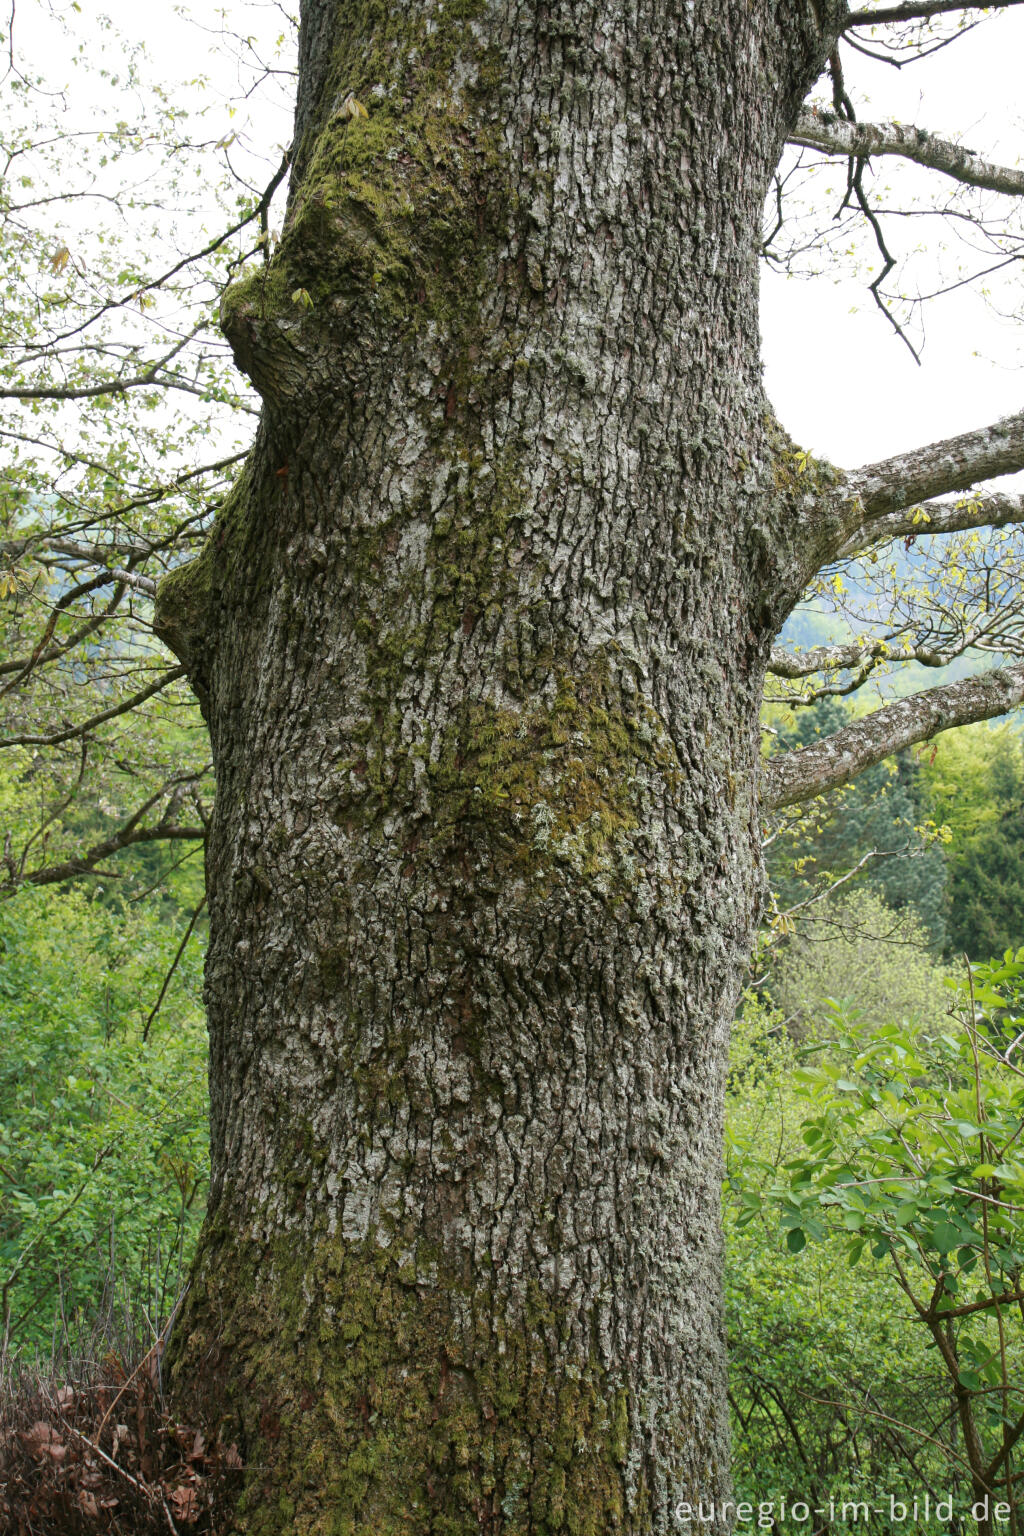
{"x": 480, "y": 640}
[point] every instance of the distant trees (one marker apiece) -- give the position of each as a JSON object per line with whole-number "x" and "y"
{"x": 977, "y": 784}
{"x": 936, "y": 833}
{"x": 875, "y": 827}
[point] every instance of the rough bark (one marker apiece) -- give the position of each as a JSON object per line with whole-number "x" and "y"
{"x": 480, "y": 640}
{"x": 953, "y": 464}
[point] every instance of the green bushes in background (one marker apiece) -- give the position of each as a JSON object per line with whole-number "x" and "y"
{"x": 103, "y": 1136}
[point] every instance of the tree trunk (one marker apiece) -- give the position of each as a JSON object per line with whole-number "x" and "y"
{"x": 480, "y": 639}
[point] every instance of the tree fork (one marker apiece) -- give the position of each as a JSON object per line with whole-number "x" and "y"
{"x": 480, "y": 637}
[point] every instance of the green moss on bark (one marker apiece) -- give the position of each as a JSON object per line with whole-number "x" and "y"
{"x": 368, "y": 1410}
{"x": 388, "y": 221}
{"x": 555, "y": 784}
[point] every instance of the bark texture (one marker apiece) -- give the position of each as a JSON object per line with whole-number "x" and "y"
{"x": 481, "y": 640}
{"x": 954, "y": 464}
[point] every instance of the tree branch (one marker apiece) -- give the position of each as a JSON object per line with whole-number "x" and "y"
{"x": 821, "y": 658}
{"x": 151, "y": 376}
{"x": 955, "y": 464}
{"x": 923, "y": 12}
{"x": 258, "y": 212}
{"x": 133, "y": 831}
{"x": 834, "y": 135}
{"x": 85, "y": 863}
{"x": 45, "y": 652}
{"x": 795, "y": 776}
{"x": 57, "y": 737}
{"x": 994, "y": 511}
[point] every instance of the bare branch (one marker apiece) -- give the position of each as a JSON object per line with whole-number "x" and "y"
{"x": 795, "y": 776}
{"x": 57, "y": 737}
{"x": 45, "y": 652}
{"x": 174, "y": 966}
{"x": 86, "y": 863}
{"x": 794, "y": 664}
{"x": 922, "y": 12}
{"x": 152, "y": 376}
{"x": 157, "y": 282}
{"x": 821, "y": 658}
{"x": 834, "y": 135}
{"x": 955, "y": 464}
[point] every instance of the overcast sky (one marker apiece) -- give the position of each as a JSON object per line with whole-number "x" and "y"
{"x": 842, "y": 383}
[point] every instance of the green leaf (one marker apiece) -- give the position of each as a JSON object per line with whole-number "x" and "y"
{"x": 944, "y": 1237}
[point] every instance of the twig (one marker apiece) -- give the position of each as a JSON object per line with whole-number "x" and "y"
{"x": 174, "y": 966}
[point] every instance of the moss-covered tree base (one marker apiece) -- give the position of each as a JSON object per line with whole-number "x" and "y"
{"x": 377, "y": 1399}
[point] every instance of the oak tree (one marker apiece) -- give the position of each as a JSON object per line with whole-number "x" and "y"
{"x": 480, "y": 634}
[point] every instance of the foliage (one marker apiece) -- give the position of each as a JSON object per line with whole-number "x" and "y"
{"x": 910, "y": 1153}
{"x": 830, "y": 1382}
{"x": 854, "y": 948}
{"x": 103, "y": 1157}
{"x": 129, "y": 201}
{"x": 883, "y": 822}
{"x": 977, "y": 782}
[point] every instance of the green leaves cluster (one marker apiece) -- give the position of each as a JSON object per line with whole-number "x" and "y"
{"x": 913, "y": 1143}
{"x": 977, "y": 784}
{"x": 103, "y": 1139}
{"x": 834, "y": 1390}
{"x": 903, "y": 1147}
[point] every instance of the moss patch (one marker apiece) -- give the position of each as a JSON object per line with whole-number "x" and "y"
{"x": 554, "y": 784}
{"x": 393, "y": 206}
{"x": 795, "y": 471}
{"x": 368, "y": 1411}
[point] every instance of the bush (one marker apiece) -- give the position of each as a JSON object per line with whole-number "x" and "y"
{"x": 855, "y": 949}
{"x": 103, "y": 1137}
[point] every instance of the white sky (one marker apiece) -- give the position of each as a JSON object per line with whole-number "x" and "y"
{"x": 842, "y": 383}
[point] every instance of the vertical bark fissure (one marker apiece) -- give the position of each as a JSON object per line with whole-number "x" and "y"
{"x": 480, "y": 640}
